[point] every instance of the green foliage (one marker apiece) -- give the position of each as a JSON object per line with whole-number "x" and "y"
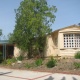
{"x": 0, "y": 32}
{"x": 33, "y": 21}
{"x": 13, "y": 59}
{"x": 51, "y": 63}
{"x": 77, "y": 64}
{"x": 9, "y": 61}
{"x": 30, "y": 65}
{"x": 20, "y": 58}
{"x": 77, "y": 55}
{"x": 38, "y": 62}
{"x": 27, "y": 65}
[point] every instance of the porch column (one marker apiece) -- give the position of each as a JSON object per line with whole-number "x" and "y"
{"x": 4, "y": 51}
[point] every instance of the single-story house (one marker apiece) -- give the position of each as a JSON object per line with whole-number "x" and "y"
{"x": 62, "y": 42}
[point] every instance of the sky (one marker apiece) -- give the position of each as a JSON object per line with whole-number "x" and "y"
{"x": 68, "y": 13}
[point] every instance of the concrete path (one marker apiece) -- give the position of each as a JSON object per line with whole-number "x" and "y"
{"x": 11, "y": 74}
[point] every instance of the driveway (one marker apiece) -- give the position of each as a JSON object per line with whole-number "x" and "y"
{"x": 11, "y": 74}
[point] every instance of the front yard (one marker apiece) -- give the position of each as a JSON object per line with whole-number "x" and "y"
{"x": 64, "y": 65}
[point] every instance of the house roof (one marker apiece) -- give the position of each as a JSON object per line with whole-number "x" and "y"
{"x": 4, "y": 42}
{"x": 66, "y": 28}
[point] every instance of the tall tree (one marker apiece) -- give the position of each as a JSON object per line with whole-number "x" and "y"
{"x": 33, "y": 21}
{"x": 0, "y": 33}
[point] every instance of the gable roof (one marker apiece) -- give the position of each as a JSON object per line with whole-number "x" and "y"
{"x": 66, "y": 28}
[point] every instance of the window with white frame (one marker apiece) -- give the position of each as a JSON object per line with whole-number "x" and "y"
{"x": 71, "y": 40}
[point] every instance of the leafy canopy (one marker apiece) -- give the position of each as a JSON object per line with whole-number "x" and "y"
{"x": 33, "y": 21}
{"x": 0, "y": 32}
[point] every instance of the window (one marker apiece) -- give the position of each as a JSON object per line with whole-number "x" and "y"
{"x": 72, "y": 40}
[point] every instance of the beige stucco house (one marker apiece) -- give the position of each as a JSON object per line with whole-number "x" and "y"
{"x": 64, "y": 42}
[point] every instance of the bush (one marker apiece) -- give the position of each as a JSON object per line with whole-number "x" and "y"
{"x": 28, "y": 65}
{"x": 77, "y": 65}
{"x": 51, "y": 63}
{"x": 20, "y": 58}
{"x": 38, "y": 62}
{"x": 77, "y": 55}
{"x": 9, "y": 61}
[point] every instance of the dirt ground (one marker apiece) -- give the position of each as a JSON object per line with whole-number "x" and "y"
{"x": 62, "y": 66}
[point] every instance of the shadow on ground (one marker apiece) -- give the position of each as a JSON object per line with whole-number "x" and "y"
{"x": 74, "y": 78}
{"x": 51, "y": 78}
{"x": 1, "y": 73}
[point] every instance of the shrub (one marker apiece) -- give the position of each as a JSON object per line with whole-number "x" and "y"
{"x": 30, "y": 65}
{"x": 9, "y": 61}
{"x": 38, "y": 62}
{"x": 27, "y": 65}
{"x": 77, "y": 65}
{"x": 77, "y": 55}
{"x": 13, "y": 60}
{"x": 51, "y": 63}
{"x": 20, "y": 58}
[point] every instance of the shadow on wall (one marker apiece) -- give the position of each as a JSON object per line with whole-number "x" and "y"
{"x": 48, "y": 44}
{"x": 51, "y": 78}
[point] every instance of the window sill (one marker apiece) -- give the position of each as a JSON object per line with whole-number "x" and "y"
{"x": 69, "y": 48}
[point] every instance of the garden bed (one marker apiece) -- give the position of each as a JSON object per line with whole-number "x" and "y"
{"x": 62, "y": 66}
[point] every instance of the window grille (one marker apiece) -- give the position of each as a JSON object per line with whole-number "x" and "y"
{"x": 72, "y": 40}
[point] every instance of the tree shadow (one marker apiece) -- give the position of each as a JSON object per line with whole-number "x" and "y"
{"x": 1, "y": 73}
{"x": 63, "y": 78}
{"x": 50, "y": 78}
{"x": 74, "y": 78}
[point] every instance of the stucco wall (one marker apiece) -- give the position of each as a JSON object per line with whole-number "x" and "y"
{"x": 16, "y": 51}
{"x": 67, "y": 51}
{"x": 51, "y": 47}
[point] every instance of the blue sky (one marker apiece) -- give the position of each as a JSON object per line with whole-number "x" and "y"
{"x": 68, "y": 13}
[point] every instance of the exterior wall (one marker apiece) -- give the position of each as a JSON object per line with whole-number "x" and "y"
{"x": 67, "y": 51}
{"x": 55, "y": 43}
{"x": 51, "y": 47}
{"x": 16, "y": 51}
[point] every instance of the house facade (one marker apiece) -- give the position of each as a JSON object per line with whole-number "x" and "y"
{"x": 64, "y": 42}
